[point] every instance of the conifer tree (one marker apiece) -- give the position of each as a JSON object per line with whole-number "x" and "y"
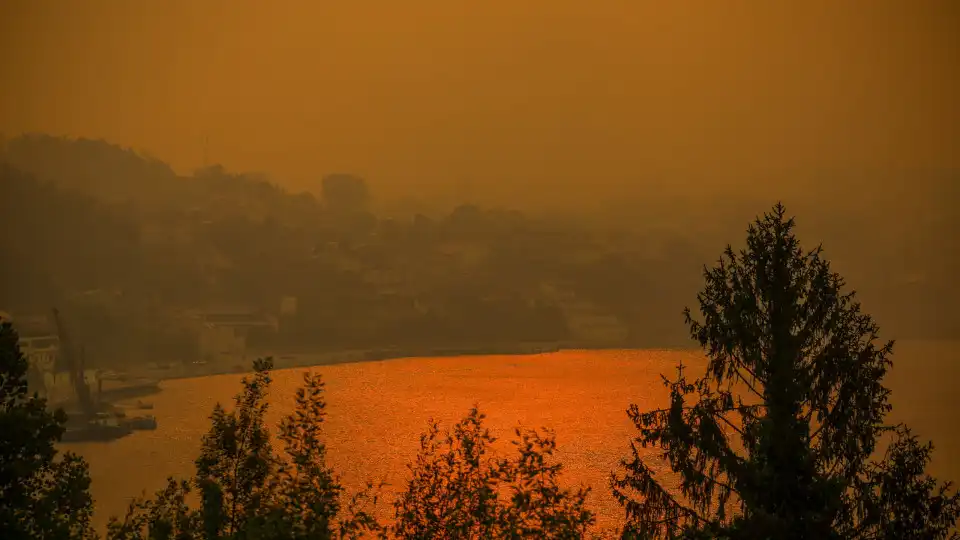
{"x": 781, "y": 436}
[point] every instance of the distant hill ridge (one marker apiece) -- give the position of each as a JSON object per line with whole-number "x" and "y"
{"x": 117, "y": 175}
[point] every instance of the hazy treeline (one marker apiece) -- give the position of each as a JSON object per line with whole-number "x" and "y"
{"x": 119, "y": 238}
{"x": 784, "y": 434}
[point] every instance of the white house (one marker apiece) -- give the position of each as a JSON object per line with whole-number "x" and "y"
{"x": 40, "y": 344}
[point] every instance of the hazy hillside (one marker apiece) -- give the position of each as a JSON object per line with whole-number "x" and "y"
{"x": 92, "y": 224}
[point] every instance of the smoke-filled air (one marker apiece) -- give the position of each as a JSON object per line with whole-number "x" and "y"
{"x": 454, "y": 270}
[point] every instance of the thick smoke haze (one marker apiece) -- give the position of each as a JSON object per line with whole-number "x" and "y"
{"x": 689, "y": 115}
{"x": 498, "y": 100}
{"x": 513, "y": 202}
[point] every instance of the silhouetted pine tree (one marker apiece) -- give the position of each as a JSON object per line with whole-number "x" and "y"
{"x": 777, "y": 438}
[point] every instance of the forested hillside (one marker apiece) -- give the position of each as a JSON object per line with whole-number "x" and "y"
{"x": 118, "y": 237}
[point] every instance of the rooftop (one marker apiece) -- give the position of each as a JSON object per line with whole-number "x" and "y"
{"x": 235, "y": 319}
{"x": 28, "y": 326}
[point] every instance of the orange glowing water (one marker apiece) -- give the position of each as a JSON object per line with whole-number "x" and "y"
{"x": 377, "y": 410}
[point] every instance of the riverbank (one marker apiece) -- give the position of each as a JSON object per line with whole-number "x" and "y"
{"x": 378, "y": 410}
{"x": 286, "y": 359}
{"x": 377, "y": 413}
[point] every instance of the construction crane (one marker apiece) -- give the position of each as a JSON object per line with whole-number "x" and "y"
{"x": 75, "y": 362}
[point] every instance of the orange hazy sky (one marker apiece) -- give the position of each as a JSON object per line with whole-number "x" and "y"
{"x": 431, "y": 92}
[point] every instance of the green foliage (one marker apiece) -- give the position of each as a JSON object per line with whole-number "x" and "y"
{"x": 458, "y": 491}
{"x": 776, "y": 439}
{"x": 41, "y": 496}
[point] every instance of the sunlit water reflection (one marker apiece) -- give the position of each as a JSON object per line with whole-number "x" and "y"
{"x": 377, "y": 411}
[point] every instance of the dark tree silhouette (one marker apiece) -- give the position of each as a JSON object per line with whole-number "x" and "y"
{"x": 41, "y": 496}
{"x": 458, "y": 490}
{"x": 248, "y": 491}
{"x": 777, "y": 438}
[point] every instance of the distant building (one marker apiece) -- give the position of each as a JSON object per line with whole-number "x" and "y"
{"x": 39, "y": 341}
{"x": 288, "y": 306}
{"x": 343, "y": 192}
{"x": 40, "y": 344}
{"x": 222, "y": 332}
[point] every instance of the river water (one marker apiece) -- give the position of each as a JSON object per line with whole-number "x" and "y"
{"x": 377, "y": 411}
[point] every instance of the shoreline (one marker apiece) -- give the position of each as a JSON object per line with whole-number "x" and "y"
{"x": 302, "y": 358}
{"x": 147, "y": 381}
